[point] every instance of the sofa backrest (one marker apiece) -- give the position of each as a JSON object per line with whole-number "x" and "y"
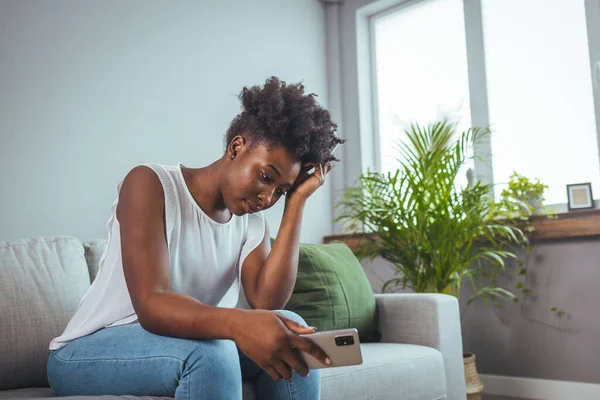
{"x": 41, "y": 283}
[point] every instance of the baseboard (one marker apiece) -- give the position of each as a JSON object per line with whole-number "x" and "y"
{"x": 542, "y": 389}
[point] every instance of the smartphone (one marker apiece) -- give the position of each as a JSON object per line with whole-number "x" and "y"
{"x": 342, "y": 347}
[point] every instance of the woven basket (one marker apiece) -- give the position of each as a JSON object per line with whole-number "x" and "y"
{"x": 474, "y": 385}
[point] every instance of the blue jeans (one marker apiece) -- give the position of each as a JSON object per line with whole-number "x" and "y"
{"x": 128, "y": 360}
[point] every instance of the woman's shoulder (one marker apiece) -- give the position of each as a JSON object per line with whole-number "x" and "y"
{"x": 157, "y": 167}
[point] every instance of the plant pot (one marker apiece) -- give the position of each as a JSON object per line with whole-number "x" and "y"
{"x": 474, "y": 385}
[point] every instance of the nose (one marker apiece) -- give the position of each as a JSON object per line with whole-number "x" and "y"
{"x": 265, "y": 199}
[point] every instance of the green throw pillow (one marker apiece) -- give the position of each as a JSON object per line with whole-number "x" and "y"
{"x": 332, "y": 290}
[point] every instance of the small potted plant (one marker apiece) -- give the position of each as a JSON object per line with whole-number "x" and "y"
{"x": 525, "y": 193}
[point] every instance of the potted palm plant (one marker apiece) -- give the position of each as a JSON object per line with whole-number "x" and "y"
{"x": 435, "y": 232}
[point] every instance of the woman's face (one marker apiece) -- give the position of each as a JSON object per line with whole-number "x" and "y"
{"x": 257, "y": 176}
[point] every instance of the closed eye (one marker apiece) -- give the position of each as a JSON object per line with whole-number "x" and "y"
{"x": 266, "y": 177}
{"x": 269, "y": 179}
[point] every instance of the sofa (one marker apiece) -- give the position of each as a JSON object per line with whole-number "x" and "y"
{"x": 42, "y": 280}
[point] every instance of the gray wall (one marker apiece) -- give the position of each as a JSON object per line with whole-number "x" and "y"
{"x": 90, "y": 89}
{"x": 528, "y": 342}
{"x": 527, "y": 339}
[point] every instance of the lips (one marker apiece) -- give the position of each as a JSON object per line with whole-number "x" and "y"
{"x": 250, "y": 208}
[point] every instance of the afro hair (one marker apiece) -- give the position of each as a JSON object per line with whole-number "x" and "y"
{"x": 282, "y": 114}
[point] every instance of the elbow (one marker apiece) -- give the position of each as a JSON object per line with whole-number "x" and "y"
{"x": 266, "y": 297}
{"x": 146, "y": 322}
{"x": 146, "y": 317}
{"x": 267, "y": 303}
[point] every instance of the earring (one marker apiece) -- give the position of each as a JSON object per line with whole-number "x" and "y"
{"x": 232, "y": 156}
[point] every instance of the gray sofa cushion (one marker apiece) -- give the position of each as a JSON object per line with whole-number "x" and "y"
{"x": 30, "y": 393}
{"x": 389, "y": 371}
{"x": 41, "y": 283}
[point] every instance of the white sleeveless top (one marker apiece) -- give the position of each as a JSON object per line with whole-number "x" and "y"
{"x": 205, "y": 259}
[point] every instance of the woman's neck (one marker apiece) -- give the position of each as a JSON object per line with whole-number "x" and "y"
{"x": 204, "y": 185}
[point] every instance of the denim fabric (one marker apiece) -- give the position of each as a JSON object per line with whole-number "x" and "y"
{"x": 128, "y": 360}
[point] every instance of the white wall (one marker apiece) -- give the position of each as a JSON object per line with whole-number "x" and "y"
{"x": 90, "y": 89}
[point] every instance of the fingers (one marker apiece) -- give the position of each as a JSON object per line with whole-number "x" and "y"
{"x": 273, "y": 373}
{"x": 309, "y": 347}
{"x": 301, "y": 330}
{"x": 322, "y": 170}
{"x": 301, "y": 178}
{"x": 289, "y": 361}
{"x": 317, "y": 170}
{"x": 296, "y": 327}
{"x": 295, "y": 362}
{"x": 283, "y": 370}
{"x": 303, "y": 344}
{"x": 313, "y": 172}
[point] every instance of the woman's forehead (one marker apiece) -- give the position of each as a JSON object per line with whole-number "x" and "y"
{"x": 282, "y": 160}
{"x": 276, "y": 153}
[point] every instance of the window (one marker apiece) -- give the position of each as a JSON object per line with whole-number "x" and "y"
{"x": 535, "y": 58}
{"x": 421, "y": 70}
{"x": 539, "y": 88}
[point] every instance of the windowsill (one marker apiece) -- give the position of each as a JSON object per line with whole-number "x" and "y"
{"x": 570, "y": 225}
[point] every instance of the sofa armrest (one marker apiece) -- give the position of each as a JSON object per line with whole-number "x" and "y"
{"x": 426, "y": 319}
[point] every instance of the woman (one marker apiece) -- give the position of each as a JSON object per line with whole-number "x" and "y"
{"x": 162, "y": 318}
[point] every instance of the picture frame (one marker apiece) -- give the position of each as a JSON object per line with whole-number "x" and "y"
{"x": 579, "y": 196}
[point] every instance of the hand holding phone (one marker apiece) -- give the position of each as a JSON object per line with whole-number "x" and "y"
{"x": 274, "y": 342}
{"x": 342, "y": 347}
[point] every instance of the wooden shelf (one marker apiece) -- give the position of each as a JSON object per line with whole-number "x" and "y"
{"x": 574, "y": 224}
{"x": 353, "y": 240}
{"x": 571, "y": 225}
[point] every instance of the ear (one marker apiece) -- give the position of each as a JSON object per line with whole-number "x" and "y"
{"x": 237, "y": 144}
